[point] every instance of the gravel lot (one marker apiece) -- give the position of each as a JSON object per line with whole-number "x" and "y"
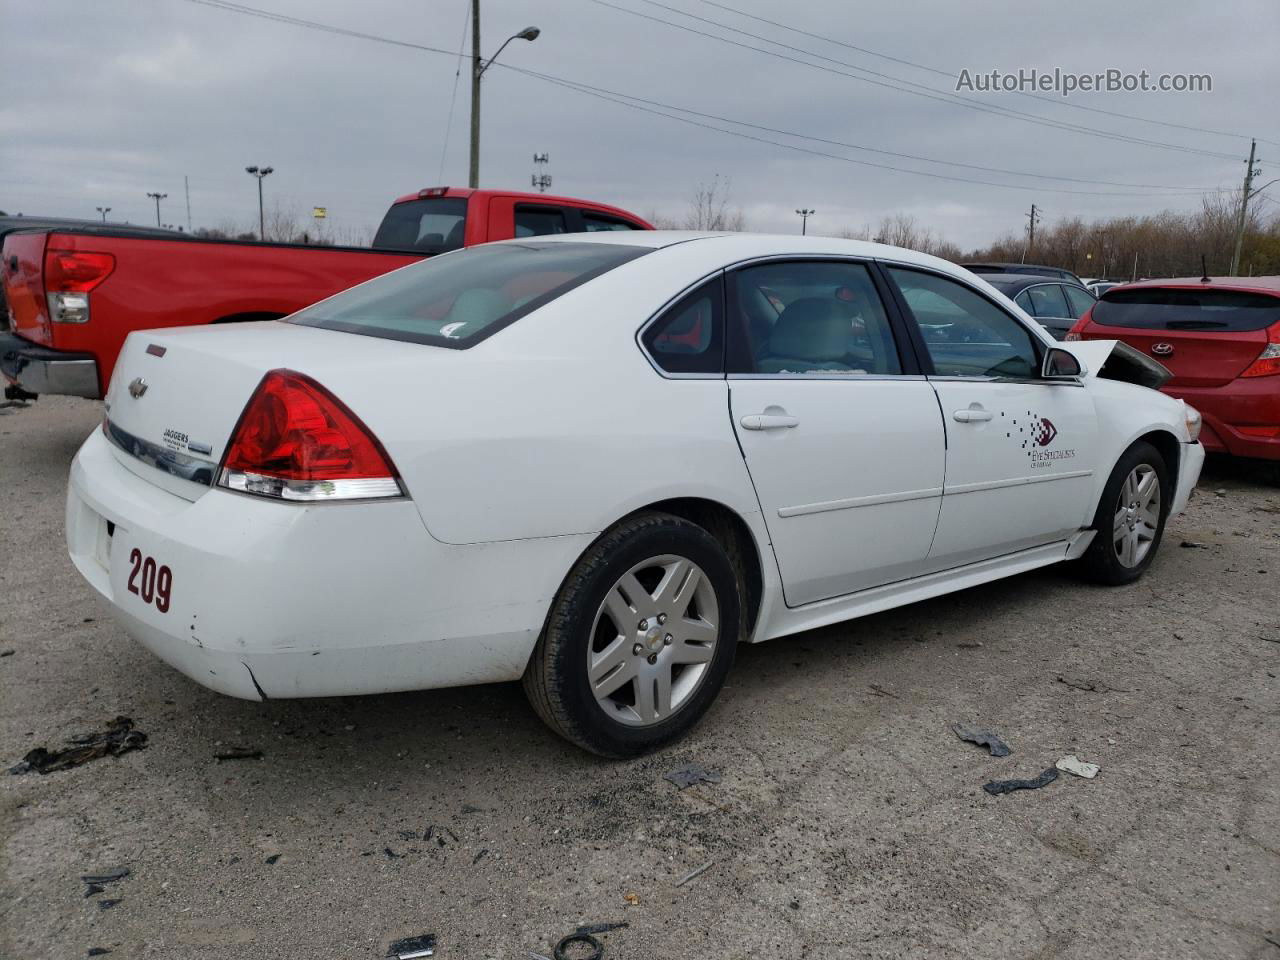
{"x": 850, "y": 821}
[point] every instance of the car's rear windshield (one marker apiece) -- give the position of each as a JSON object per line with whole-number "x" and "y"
{"x": 459, "y": 299}
{"x": 1172, "y": 308}
{"x": 429, "y": 225}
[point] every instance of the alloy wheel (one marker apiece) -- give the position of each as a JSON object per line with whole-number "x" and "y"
{"x": 1137, "y": 516}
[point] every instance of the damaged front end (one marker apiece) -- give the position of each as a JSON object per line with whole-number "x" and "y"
{"x": 1114, "y": 360}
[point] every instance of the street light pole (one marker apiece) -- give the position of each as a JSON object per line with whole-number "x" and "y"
{"x": 805, "y": 214}
{"x": 260, "y": 173}
{"x": 104, "y": 211}
{"x": 478, "y": 67}
{"x": 157, "y": 197}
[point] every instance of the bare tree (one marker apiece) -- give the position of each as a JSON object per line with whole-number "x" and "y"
{"x": 709, "y": 208}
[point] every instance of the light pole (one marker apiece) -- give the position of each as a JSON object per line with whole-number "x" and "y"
{"x": 260, "y": 173}
{"x": 104, "y": 211}
{"x": 478, "y": 67}
{"x": 157, "y": 197}
{"x": 805, "y": 213}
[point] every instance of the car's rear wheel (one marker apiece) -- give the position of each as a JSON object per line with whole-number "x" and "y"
{"x": 640, "y": 638}
{"x": 1130, "y": 517}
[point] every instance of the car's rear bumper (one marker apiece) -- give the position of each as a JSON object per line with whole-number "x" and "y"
{"x": 289, "y": 600}
{"x": 37, "y": 369}
{"x": 1249, "y": 402}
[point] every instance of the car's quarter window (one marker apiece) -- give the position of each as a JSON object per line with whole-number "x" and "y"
{"x": 429, "y": 225}
{"x": 1047, "y": 300}
{"x": 459, "y": 299}
{"x": 592, "y": 222}
{"x": 1080, "y": 301}
{"x": 1024, "y": 301}
{"x": 689, "y": 336}
{"x": 965, "y": 334}
{"x": 533, "y": 220}
{"x": 810, "y": 318}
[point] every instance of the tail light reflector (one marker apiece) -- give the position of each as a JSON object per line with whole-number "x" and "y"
{"x": 296, "y": 441}
{"x": 1268, "y": 362}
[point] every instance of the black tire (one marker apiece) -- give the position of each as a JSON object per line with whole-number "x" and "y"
{"x": 1101, "y": 563}
{"x": 556, "y": 680}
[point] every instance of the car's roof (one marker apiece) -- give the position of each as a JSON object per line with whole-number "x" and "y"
{"x": 1256, "y": 284}
{"x": 1019, "y": 281}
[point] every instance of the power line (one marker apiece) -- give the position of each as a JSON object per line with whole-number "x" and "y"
{"x": 648, "y": 105}
{"x": 953, "y": 76}
{"x": 894, "y": 83}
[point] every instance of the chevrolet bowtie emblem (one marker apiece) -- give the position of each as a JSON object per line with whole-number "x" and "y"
{"x": 137, "y": 387}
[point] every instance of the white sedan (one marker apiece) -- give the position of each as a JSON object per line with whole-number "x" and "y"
{"x": 597, "y": 463}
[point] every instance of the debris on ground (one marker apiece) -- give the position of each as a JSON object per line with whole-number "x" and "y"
{"x": 7, "y": 653}
{"x": 1091, "y": 686}
{"x": 107, "y": 904}
{"x": 118, "y": 737}
{"x": 410, "y": 948}
{"x": 602, "y": 927}
{"x": 632, "y": 899}
{"x": 975, "y": 645}
{"x": 996, "y": 787}
{"x": 1192, "y": 545}
{"x": 1077, "y": 767}
{"x": 106, "y": 876}
{"x": 693, "y": 773}
{"x": 983, "y": 738}
{"x": 880, "y": 691}
{"x": 695, "y": 873}
{"x": 93, "y": 888}
{"x": 1269, "y": 639}
{"x": 585, "y": 939}
{"x": 272, "y": 860}
{"x": 477, "y": 858}
{"x": 238, "y": 753}
{"x": 97, "y": 952}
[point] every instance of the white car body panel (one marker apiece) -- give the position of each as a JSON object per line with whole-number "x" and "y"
{"x": 518, "y": 451}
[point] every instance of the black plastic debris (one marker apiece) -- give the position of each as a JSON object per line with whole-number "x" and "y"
{"x": 7, "y": 653}
{"x": 93, "y": 888}
{"x": 97, "y": 952}
{"x": 602, "y": 927}
{"x": 108, "y": 904}
{"x": 118, "y": 737}
{"x": 479, "y": 856}
{"x": 996, "y": 787}
{"x": 238, "y": 753}
{"x": 983, "y": 737}
{"x": 411, "y": 948}
{"x": 106, "y": 876}
{"x": 586, "y": 939}
{"x": 1192, "y": 545}
{"x": 391, "y": 854}
{"x": 693, "y": 773}
{"x": 272, "y": 860}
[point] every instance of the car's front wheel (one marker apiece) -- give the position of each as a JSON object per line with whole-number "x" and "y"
{"x": 640, "y": 638}
{"x": 1130, "y": 517}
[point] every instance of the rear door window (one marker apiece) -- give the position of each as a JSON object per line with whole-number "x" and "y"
{"x": 535, "y": 220}
{"x": 1172, "y": 308}
{"x": 966, "y": 334}
{"x": 459, "y": 300}
{"x": 1047, "y": 300}
{"x": 429, "y": 225}
{"x": 1080, "y": 301}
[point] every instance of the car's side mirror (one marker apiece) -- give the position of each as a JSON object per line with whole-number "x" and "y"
{"x": 1060, "y": 364}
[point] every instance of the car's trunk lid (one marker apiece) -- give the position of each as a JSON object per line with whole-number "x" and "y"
{"x": 1205, "y": 337}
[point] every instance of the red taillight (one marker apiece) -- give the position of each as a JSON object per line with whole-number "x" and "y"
{"x": 75, "y": 271}
{"x": 1268, "y": 362}
{"x": 297, "y": 441}
{"x": 1078, "y": 328}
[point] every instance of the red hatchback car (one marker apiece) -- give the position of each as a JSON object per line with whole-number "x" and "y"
{"x": 1220, "y": 338}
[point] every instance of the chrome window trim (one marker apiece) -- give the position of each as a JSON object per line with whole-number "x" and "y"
{"x": 818, "y": 376}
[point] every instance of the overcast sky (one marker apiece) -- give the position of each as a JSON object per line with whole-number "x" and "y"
{"x": 105, "y": 101}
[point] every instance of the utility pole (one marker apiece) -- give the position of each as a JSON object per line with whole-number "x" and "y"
{"x": 805, "y": 213}
{"x": 261, "y": 173}
{"x": 1033, "y": 217}
{"x": 541, "y": 179}
{"x": 157, "y": 197}
{"x": 1245, "y": 197}
{"x": 478, "y": 67}
{"x": 104, "y": 211}
{"x": 186, "y": 185}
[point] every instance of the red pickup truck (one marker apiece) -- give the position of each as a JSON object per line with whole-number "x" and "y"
{"x": 75, "y": 294}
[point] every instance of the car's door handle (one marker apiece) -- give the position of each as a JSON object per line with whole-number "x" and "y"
{"x": 972, "y": 414}
{"x": 768, "y": 421}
